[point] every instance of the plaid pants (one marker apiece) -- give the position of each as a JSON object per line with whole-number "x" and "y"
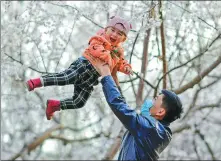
{"x": 82, "y": 75}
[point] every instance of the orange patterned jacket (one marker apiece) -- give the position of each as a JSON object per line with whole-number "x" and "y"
{"x": 100, "y": 48}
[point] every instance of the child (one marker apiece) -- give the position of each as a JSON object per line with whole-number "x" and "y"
{"x": 106, "y": 45}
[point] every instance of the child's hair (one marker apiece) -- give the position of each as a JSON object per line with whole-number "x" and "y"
{"x": 124, "y": 26}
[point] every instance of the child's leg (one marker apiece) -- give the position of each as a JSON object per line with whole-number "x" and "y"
{"x": 79, "y": 99}
{"x": 34, "y": 83}
{"x": 64, "y": 78}
{"x": 68, "y": 76}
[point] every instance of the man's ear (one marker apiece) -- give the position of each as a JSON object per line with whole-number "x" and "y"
{"x": 161, "y": 113}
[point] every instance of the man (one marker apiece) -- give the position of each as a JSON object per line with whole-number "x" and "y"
{"x": 148, "y": 133}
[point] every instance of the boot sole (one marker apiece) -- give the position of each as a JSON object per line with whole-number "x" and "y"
{"x": 48, "y": 118}
{"x": 27, "y": 86}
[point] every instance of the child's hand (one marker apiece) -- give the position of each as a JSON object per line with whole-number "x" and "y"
{"x": 128, "y": 70}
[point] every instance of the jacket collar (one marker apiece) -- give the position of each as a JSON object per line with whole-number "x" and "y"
{"x": 164, "y": 122}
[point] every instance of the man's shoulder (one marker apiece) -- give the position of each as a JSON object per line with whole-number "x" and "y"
{"x": 164, "y": 127}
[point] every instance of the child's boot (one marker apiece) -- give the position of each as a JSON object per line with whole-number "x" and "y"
{"x": 52, "y": 106}
{"x": 33, "y": 83}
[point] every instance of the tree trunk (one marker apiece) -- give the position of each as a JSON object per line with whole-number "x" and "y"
{"x": 139, "y": 98}
{"x": 163, "y": 47}
{"x": 115, "y": 146}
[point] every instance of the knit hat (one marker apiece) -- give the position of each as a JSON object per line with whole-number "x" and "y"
{"x": 124, "y": 25}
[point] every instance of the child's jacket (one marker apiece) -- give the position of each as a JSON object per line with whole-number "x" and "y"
{"x": 100, "y": 48}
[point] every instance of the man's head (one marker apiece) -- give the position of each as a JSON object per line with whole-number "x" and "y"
{"x": 167, "y": 106}
{"x": 116, "y": 30}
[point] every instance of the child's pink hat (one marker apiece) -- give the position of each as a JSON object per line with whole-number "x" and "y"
{"x": 124, "y": 27}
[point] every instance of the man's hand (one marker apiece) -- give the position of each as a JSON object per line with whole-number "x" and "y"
{"x": 102, "y": 68}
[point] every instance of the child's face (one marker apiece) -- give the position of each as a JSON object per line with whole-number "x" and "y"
{"x": 114, "y": 36}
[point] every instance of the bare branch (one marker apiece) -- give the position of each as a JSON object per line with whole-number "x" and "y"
{"x": 36, "y": 142}
{"x": 195, "y": 149}
{"x": 197, "y": 131}
{"x": 80, "y": 12}
{"x": 184, "y": 76}
{"x": 134, "y": 43}
{"x": 181, "y": 128}
{"x": 163, "y": 45}
{"x": 27, "y": 67}
{"x": 139, "y": 98}
{"x": 133, "y": 87}
{"x": 66, "y": 141}
{"x": 199, "y": 55}
{"x": 192, "y": 104}
{"x": 72, "y": 28}
{"x": 148, "y": 83}
{"x": 115, "y": 146}
{"x": 131, "y": 80}
{"x": 194, "y": 15}
{"x": 207, "y": 106}
{"x": 40, "y": 54}
{"x": 198, "y": 78}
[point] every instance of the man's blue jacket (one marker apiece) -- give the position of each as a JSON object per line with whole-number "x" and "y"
{"x": 145, "y": 137}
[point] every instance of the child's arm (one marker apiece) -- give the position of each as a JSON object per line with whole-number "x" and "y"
{"x": 123, "y": 65}
{"x": 100, "y": 48}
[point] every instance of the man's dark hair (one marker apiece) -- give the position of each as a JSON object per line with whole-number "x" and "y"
{"x": 173, "y": 106}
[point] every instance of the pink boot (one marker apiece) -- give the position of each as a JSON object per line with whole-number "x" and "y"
{"x": 52, "y": 106}
{"x": 33, "y": 83}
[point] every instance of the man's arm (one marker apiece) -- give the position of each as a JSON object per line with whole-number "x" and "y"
{"x": 135, "y": 123}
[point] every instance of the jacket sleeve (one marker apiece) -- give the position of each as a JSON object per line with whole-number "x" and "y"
{"x": 122, "y": 62}
{"x": 100, "y": 49}
{"x": 134, "y": 122}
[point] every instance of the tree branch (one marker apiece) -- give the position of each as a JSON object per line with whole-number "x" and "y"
{"x": 139, "y": 98}
{"x": 198, "y": 78}
{"x": 199, "y": 55}
{"x": 69, "y": 37}
{"x": 115, "y": 146}
{"x": 181, "y": 128}
{"x": 27, "y": 66}
{"x": 163, "y": 45}
{"x": 148, "y": 83}
{"x": 207, "y": 106}
{"x": 66, "y": 141}
{"x": 197, "y": 131}
{"x": 194, "y": 15}
{"x": 38, "y": 141}
{"x": 75, "y": 8}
